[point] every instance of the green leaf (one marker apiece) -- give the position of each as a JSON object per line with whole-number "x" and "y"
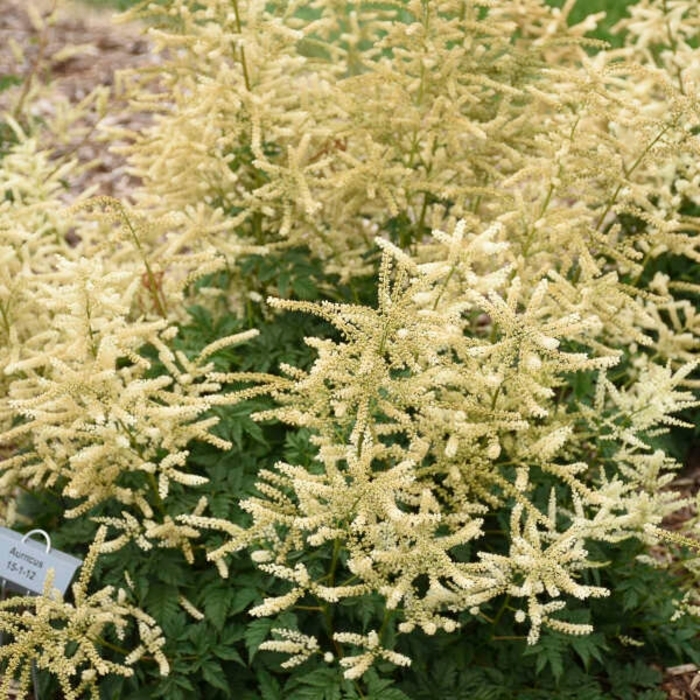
{"x": 170, "y": 569}
{"x": 304, "y": 288}
{"x": 201, "y": 638}
{"x": 283, "y": 282}
{"x": 269, "y": 687}
{"x": 589, "y": 646}
{"x": 115, "y": 687}
{"x": 379, "y": 688}
{"x": 652, "y": 695}
{"x": 141, "y": 694}
{"x": 214, "y": 675}
{"x": 175, "y": 687}
{"x": 228, "y": 654}
{"x": 256, "y": 633}
{"x": 367, "y": 609}
{"x": 549, "y": 654}
{"x": 298, "y": 448}
{"x": 162, "y": 602}
{"x": 217, "y": 602}
{"x": 637, "y": 674}
{"x": 319, "y": 684}
{"x": 233, "y": 634}
{"x": 242, "y": 600}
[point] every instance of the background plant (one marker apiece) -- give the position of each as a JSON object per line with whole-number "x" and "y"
{"x": 385, "y": 351}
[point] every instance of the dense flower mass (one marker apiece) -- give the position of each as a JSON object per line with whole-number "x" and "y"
{"x": 521, "y": 196}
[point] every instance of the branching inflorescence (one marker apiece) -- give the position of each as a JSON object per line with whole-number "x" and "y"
{"x": 520, "y": 192}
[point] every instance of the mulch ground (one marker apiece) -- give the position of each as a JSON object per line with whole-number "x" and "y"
{"x": 103, "y": 48}
{"x": 683, "y": 682}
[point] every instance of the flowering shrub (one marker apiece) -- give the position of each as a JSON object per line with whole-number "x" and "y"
{"x": 389, "y": 343}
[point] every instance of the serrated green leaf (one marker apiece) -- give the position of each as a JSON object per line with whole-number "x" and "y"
{"x": 304, "y": 288}
{"x": 142, "y": 694}
{"x": 162, "y": 602}
{"x": 222, "y": 505}
{"x": 170, "y": 569}
{"x": 201, "y": 638}
{"x": 116, "y": 688}
{"x": 589, "y": 646}
{"x": 232, "y": 634}
{"x": 217, "y": 602}
{"x": 269, "y": 687}
{"x": 320, "y": 684}
{"x": 175, "y": 687}
{"x": 652, "y": 695}
{"x": 308, "y": 693}
{"x": 214, "y": 675}
{"x": 388, "y": 694}
{"x": 367, "y": 609}
{"x": 318, "y": 678}
{"x": 256, "y": 633}
{"x": 637, "y": 674}
{"x": 228, "y": 654}
{"x": 548, "y": 652}
{"x": 243, "y": 599}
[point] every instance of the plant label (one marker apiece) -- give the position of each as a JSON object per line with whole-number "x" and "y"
{"x": 24, "y": 562}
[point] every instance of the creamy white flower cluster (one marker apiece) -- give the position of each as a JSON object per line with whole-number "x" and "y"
{"x": 65, "y": 637}
{"x": 425, "y": 424}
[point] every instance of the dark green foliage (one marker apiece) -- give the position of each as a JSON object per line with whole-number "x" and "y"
{"x": 614, "y": 11}
{"x": 634, "y": 637}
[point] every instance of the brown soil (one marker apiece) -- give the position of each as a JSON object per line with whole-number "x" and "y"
{"x": 102, "y": 48}
{"x": 682, "y": 682}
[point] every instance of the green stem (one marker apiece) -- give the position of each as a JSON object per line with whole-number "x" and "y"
{"x": 334, "y": 562}
{"x": 627, "y": 173}
{"x": 443, "y": 287}
{"x": 502, "y": 609}
{"x": 158, "y": 501}
{"x": 388, "y": 614}
{"x": 384, "y": 338}
{"x": 114, "y": 647}
{"x": 90, "y": 330}
{"x": 494, "y": 399}
{"x": 153, "y": 286}
{"x": 325, "y": 608}
{"x": 358, "y": 689}
{"x": 125, "y": 652}
{"x": 5, "y": 319}
{"x": 239, "y": 29}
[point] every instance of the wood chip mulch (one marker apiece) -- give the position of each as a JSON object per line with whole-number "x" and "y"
{"x": 682, "y": 682}
{"x": 103, "y": 48}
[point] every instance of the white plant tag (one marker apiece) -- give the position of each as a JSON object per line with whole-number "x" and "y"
{"x": 24, "y": 562}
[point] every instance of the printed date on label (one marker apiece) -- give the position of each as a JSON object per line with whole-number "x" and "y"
{"x": 21, "y": 571}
